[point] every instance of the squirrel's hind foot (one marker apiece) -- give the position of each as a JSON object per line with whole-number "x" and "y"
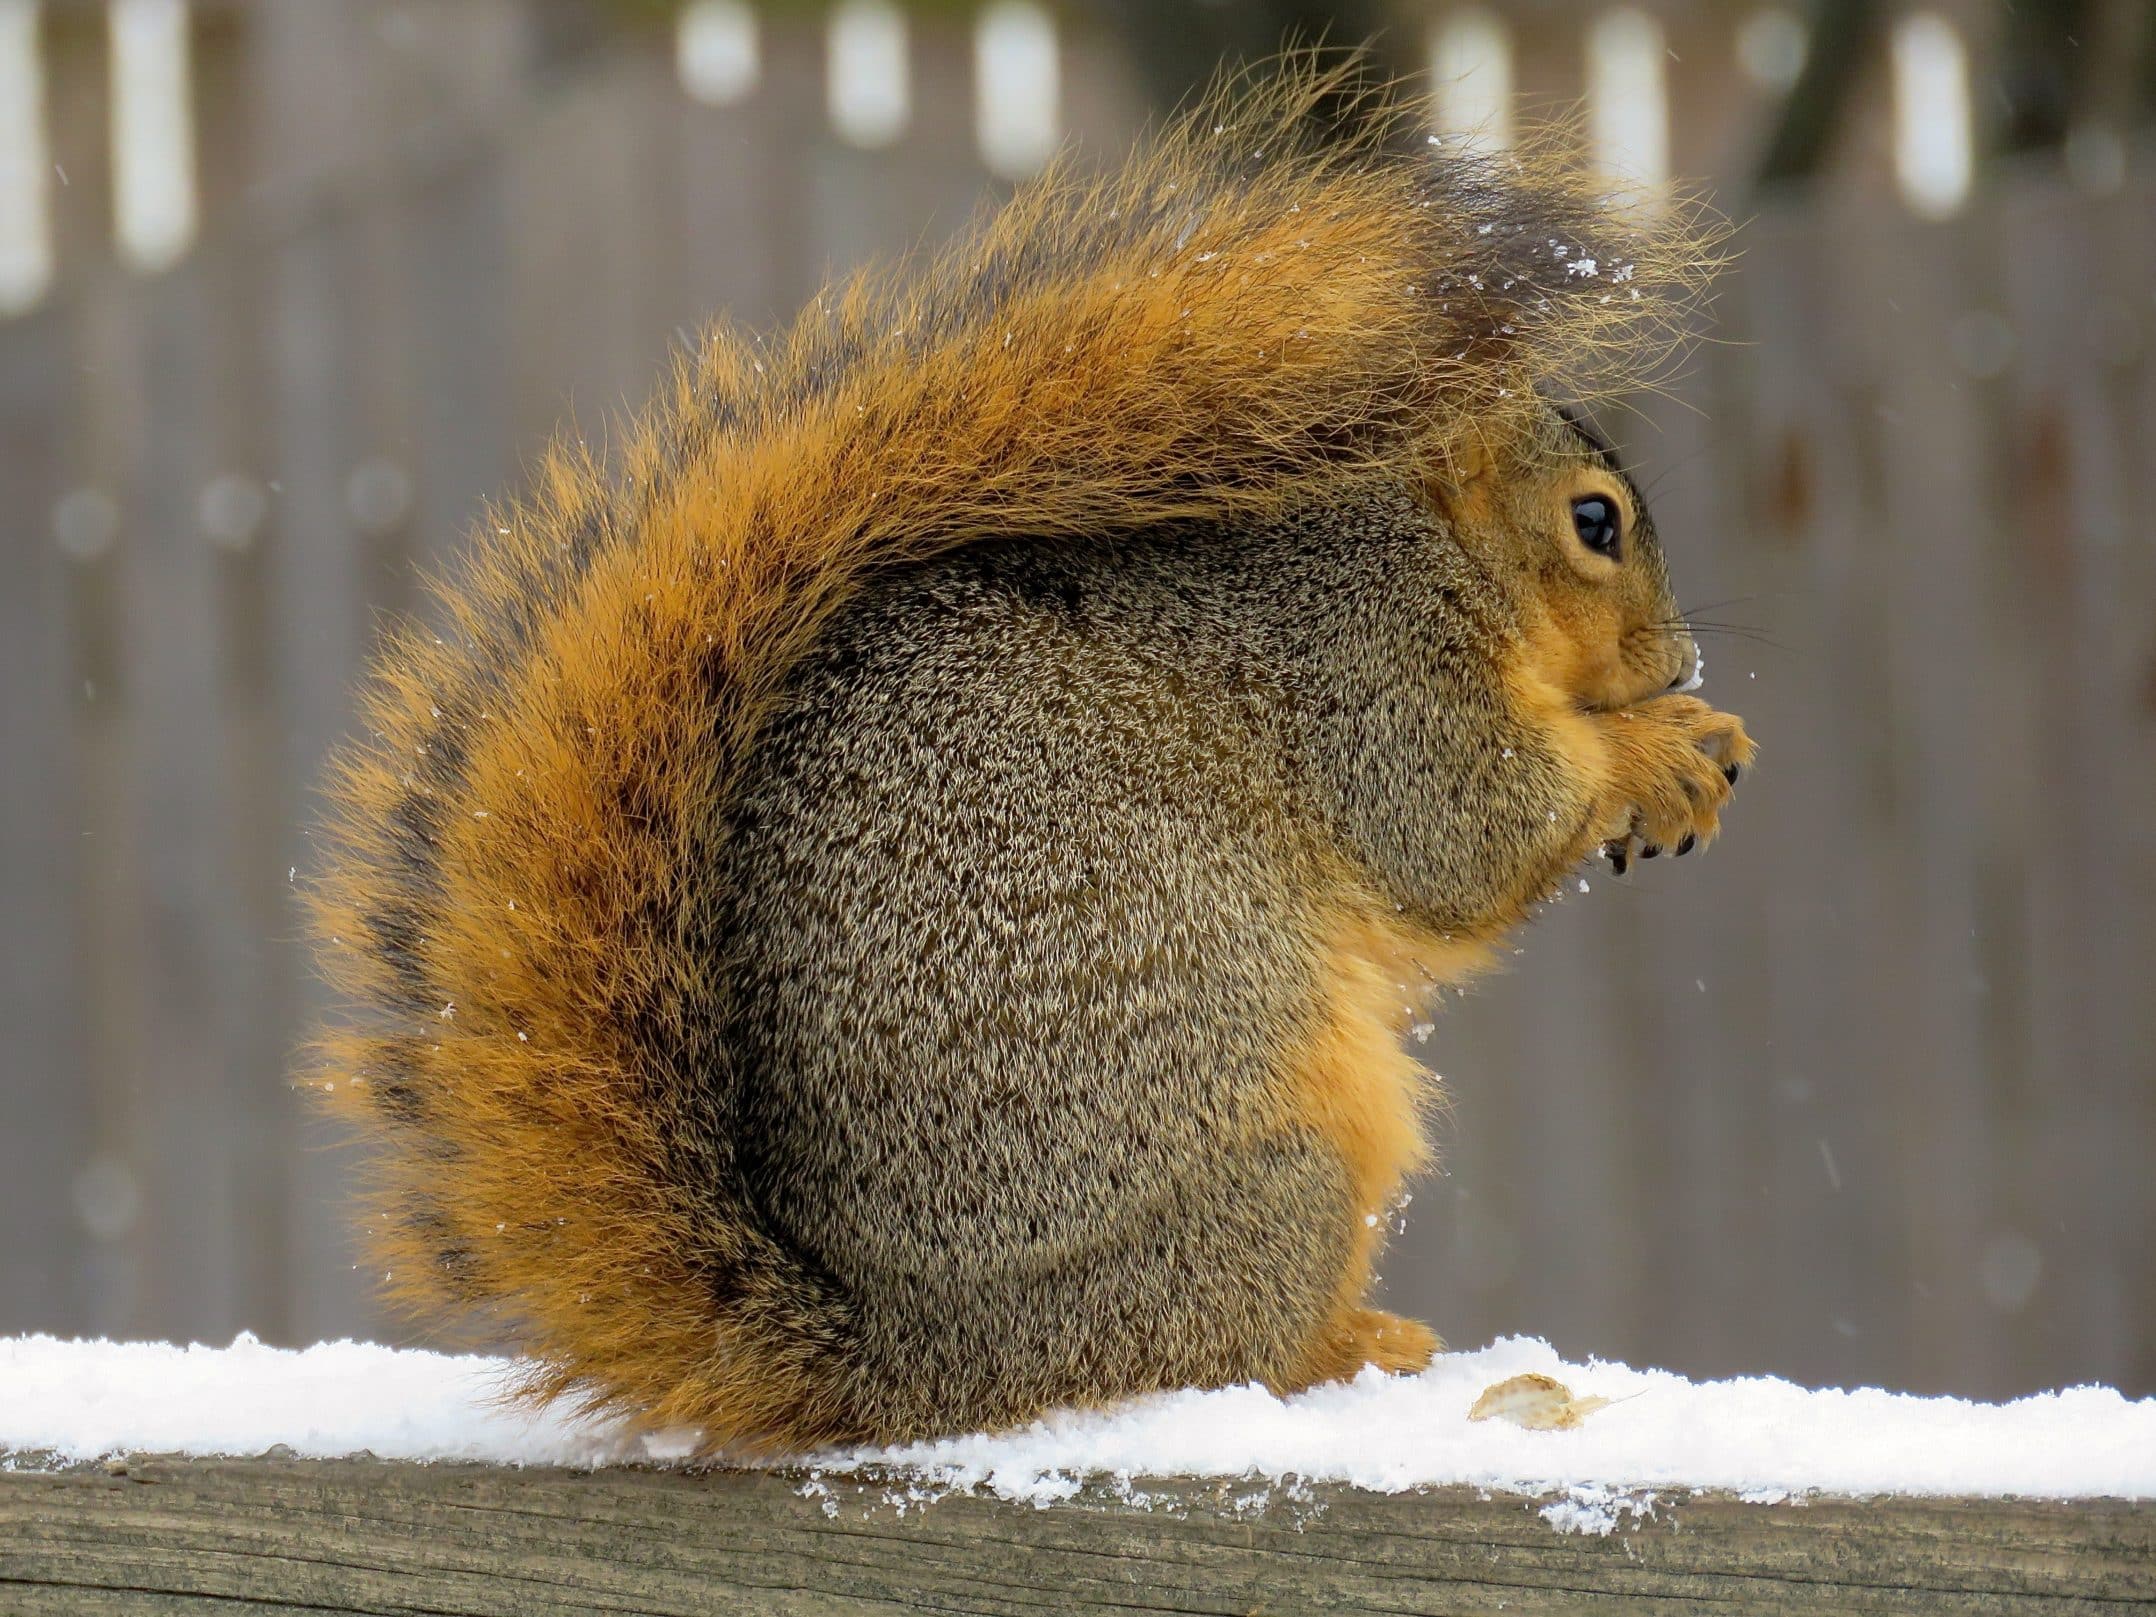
{"x": 1361, "y": 1336}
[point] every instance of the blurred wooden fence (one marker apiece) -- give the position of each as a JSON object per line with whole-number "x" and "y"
{"x": 1866, "y": 1094}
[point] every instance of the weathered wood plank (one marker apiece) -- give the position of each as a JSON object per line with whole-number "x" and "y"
{"x": 42, "y": 1276}
{"x": 1819, "y": 1185}
{"x": 256, "y": 1021}
{"x": 164, "y": 1535}
{"x": 88, "y": 401}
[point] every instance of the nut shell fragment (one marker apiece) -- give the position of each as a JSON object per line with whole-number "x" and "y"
{"x": 1538, "y": 1402}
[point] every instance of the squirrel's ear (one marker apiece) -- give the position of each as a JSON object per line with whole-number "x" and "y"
{"x": 1463, "y": 476}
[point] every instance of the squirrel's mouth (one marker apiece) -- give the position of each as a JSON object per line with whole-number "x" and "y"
{"x": 1675, "y": 663}
{"x": 1631, "y": 678}
{"x": 1693, "y": 673}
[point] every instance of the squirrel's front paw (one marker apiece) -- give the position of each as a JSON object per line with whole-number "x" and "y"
{"x": 1674, "y": 762}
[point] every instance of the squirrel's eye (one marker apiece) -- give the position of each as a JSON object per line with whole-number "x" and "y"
{"x": 1597, "y": 523}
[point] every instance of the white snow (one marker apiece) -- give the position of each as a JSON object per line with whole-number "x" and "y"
{"x": 1763, "y": 1438}
{"x": 84, "y": 1400}
{"x": 1757, "y": 1436}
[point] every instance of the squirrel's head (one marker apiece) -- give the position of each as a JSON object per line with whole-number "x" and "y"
{"x": 1544, "y": 503}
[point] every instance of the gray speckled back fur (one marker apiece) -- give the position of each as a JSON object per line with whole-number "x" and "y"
{"x": 1024, "y": 876}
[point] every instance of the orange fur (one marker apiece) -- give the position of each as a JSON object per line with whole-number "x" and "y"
{"x": 1668, "y": 769}
{"x": 1355, "y": 1086}
{"x": 1654, "y": 769}
{"x": 1546, "y": 680}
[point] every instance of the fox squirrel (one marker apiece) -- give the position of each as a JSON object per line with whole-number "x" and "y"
{"x": 892, "y": 908}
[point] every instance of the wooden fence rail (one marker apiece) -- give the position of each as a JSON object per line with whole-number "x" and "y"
{"x": 161, "y": 1535}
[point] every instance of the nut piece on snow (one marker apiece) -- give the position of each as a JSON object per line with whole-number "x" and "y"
{"x": 1539, "y": 1403}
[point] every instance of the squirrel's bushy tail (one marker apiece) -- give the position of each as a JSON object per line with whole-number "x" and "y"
{"x": 527, "y": 846}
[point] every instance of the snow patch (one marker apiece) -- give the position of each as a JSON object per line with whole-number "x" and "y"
{"x": 1596, "y": 1511}
{"x": 1759, "y": 1438}
{"x": 80, "y": 1401}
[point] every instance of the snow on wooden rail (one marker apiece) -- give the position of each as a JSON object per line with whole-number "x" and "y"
{"x": 301, "y": 1479}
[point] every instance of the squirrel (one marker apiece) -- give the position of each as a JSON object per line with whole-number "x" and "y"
{"x": 891, "y": 905}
